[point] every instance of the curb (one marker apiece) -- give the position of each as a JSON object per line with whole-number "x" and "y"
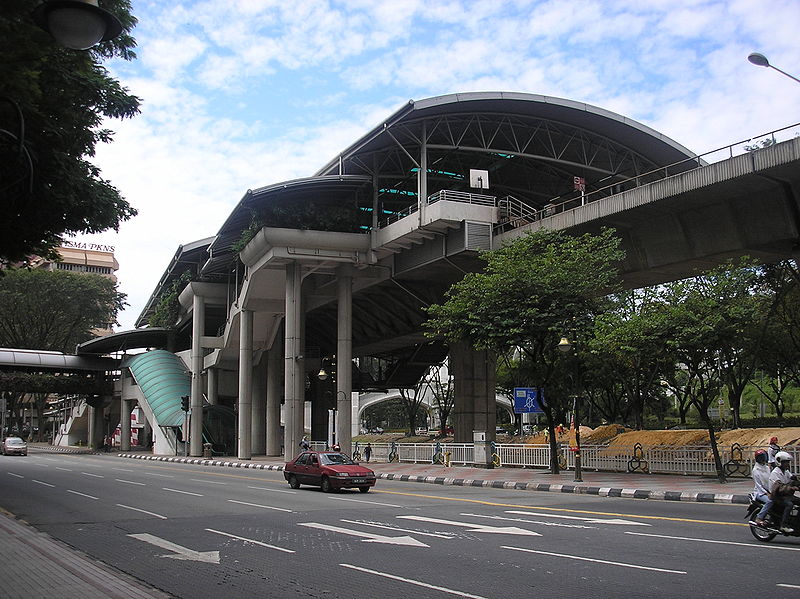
{"x": 495, "y": 484}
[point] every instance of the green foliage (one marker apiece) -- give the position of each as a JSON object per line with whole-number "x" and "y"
{"x": 168, "y": 307}
{"x": 53, "y": 102}
{"x": 55, "y": 310}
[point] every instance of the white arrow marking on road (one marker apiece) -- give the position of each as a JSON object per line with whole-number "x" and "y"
{"x": 368, "y": 536}
{"x": 179, "y": 552}
{"x": 416, "y": 532}
{"x": 590, "y": 520}
{"x": 508, "y": 530}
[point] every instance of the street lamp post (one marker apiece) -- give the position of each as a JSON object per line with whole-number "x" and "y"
{"x": 760, "y": 60}
{"x": 77, "y": 24}
{"x": 565, "y": 345}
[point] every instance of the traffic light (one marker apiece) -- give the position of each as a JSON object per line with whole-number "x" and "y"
{"x": 185, "y": 403}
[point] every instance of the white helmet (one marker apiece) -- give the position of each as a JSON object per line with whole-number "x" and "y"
{"x": 782, "y": 456}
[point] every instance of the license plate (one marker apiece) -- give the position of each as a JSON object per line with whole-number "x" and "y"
{"x": 359, "y": 480}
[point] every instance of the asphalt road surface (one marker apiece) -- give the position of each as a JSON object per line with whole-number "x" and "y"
{"x": 200, "y": 532}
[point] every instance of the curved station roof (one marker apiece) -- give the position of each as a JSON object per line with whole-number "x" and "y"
{"x": 531, "y": 147}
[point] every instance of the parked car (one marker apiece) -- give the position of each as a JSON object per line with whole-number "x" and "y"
{"x": 14, "y": 446}
{"x": 329, "y": 470}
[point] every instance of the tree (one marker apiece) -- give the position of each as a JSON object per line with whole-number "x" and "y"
{"x": 411, "y": 399}
{"x": 51, "y": 310}
{"x": 707, "y": 315}
{"x": 529, "y": 293}
{"x": 52, "y": 105}
{"x": 440, "y": 383}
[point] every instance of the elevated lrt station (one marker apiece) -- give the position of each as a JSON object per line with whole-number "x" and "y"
{"x": 334, "y": 272}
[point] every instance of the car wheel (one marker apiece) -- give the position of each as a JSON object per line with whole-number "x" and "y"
{"x": 326, "y": 485}
{"x": 293, "y": 482}
{"x": 364, "y": 489}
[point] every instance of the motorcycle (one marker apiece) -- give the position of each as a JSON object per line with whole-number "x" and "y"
{"x": 770, "y": 529}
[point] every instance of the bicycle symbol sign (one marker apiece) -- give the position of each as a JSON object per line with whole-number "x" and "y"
{"x": 528, "y": 400}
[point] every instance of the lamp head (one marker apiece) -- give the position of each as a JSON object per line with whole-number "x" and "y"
{"x": 758, "y": 59}
{"x": 564, "y": 345}
{"x": 322, "y": 374}
{"x": 77, "y": 24}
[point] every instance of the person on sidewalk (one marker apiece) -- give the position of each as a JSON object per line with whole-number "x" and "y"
{"x": 761, "y": 480}
{"x": 304, "y": 445}
{"x": 782, "y": 485}
{"x": 367, "y": 451}
{"x": 771, "y": 451}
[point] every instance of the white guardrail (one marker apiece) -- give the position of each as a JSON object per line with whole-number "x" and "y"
{"x": 737, "y": 460}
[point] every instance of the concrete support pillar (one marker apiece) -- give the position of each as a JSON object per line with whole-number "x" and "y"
{"x": 294, "y": 371}
{"x": 274, "y": 396}
{"x": 474, "y": 373}
{"x": 245, "y": 383}
{"x": 96, "y": 431}
{"x": 125, "y": 425}
{"x": 344, "y": 357}
{"x": 422, "y": 175}
{"x": 196, "y": 401}
{"x": 258, "y": 424}
{"x": 212, "y": 386}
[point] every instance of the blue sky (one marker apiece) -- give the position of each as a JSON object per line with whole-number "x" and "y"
{"x": 244, "y": 93}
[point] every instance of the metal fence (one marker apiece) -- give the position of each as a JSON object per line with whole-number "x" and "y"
{"x": 656, "y": 459}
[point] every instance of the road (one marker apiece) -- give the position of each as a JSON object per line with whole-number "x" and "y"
{"x": 200, "y": 532}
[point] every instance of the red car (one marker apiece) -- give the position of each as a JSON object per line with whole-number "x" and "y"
{"x": 329, "y": 470}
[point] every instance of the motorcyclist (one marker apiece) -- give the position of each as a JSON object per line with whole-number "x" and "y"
{"x": 782, "y": 485}
{"x": 760, "y": 492}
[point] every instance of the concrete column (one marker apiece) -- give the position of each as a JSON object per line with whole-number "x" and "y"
{"x": 125, "y": 425}
{"x": 474, "y": 373}
{"x": 96, "y": 431}
{"x": 245, "y": 383}
{"x": 344, "y": 357}
{"x": 294, "y": 371}
{"x": 258, "y": 424}
{"x": 212, "y": 386}
{"x": 422, "y": 175}
{"x": 196, "y": 401}
{"x": 274, "y": 395}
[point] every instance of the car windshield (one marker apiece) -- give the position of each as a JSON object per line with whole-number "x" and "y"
{"x": 14, "y": 441}
{"x": 335, "y": 458}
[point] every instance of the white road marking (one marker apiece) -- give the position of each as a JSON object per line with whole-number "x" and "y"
{"x": 124, "y": 469}
{"x": 364, "y": 501}
{"x": 210, "y": 482}
{"x": 136, "y": 509}
{"x": 418, "y": 583}
{"x": 526, "y": 521}
{"x": 17, "y": 475}
{"x": 64, "y": 469}
{"x": 273, "y": 490}
{"x": 129, "y": 482}
{"x": 81, "y": 494}
{"x": 162, "y": 475}
{"x": 368, "y": 536}
{"x": 589, "y": 520}
{"x": 227, "y": 534}
{"x": 387, "y": 527}
{"x": 266, "y": 507}
{"x": 596, "y": 561}
{"x": 182, "y": 492}
{"x": 760, "y": 545}
{"x": 179, "y": 552}
{"x": 94, "y": 475}
{"x": 788, "y": 586}
{"x": 509, "y": 530}
{"x": 42, "y": 483}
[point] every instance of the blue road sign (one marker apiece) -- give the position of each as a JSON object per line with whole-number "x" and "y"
{"x": 528, "y": 400}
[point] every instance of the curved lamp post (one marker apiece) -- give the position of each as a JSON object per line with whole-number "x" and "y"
{"x": 77, "y": 24}
{"x": 566, "y": 346}
{"x": 760, "y": 60}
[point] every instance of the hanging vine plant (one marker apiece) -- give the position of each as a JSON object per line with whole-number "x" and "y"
{"x": 168, "y": 308}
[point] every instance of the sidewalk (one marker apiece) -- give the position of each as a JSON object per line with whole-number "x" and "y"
{"x": 603, "y": 484}
{"x": 34, "y": 565}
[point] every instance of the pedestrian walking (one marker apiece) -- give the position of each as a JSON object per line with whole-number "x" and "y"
{"x": 367, "y": 451}
{"x": 304, "y": 445}
{"x": 772, "y": 450}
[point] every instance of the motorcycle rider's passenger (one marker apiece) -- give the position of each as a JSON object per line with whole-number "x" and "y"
{"x": 782, "y": 485}
{"x": 761, "y": 490}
